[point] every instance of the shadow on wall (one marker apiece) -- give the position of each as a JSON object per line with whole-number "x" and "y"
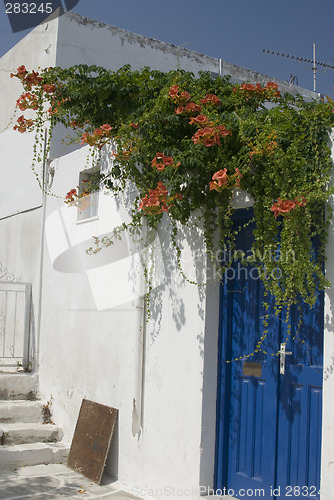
{"x": 32, "y": 344}
{"x": 112, "y": 461}
{"x": 181, "y": 272}
{"x": 329, "y": 307}
{"x": 208, "y": 344}
{"x": 329, "y": 295}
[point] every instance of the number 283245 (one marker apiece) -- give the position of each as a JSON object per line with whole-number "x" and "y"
{"x": 29, "y": 8}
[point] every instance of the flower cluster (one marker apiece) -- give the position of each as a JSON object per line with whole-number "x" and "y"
{"x": 189, "y": 109}
{"x": 210, "y": 135}
{"x": 269, "y": 91}
{"x": 21, "y": 73}
{"x": 74, "y": 124}
{"x": 183, "y": 103}
{"x": 176, "y": 97}
{"x": 24, "y": 125}
{"x": 99, "y": 137}
{"x": 49, "y": 89}
{"x": 157, "y": 201}
{"x": 33, "y": 100}
{"x": 28, "y": 79}
{"x": 27, "y": 101}
{"x": 71, "y": 195}
{"x": 200, "y": 121}
{"x": 221, "y": 180}
{"x": 82, "y": 200}
{"x": 161, "y": 161}
{"x": 283, "y": 207}
{"x": 211, "y": 99}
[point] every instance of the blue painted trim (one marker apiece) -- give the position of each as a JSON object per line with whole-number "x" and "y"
{"x": 224, "y": 378}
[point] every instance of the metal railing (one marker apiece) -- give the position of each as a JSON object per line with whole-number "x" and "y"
{"x": 15, "y": 321}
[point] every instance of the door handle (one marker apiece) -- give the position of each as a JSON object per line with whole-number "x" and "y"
{"x": 282, "y": 353}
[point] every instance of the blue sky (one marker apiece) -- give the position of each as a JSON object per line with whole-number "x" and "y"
{"x": 235, "y": 31}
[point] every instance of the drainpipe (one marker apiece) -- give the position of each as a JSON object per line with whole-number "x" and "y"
{"x": 138, "y": 415}
{"x": 46, "y": 164}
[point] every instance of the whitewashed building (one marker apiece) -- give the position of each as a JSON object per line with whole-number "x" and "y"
{"x": 88, "y": 336}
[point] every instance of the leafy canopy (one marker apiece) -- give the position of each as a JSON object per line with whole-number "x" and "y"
{"x": 190, "y": 143}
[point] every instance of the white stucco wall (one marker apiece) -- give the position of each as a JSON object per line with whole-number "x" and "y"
{"x": 97, "y": 354}
{"x": 21, "y": 234}
{"x": 19, "y": 189}
{"x": 327, "y": 457}
{"x": 86, "y": 41}
{"x": 20, "y": 254}
{"x": 37, "y": 49}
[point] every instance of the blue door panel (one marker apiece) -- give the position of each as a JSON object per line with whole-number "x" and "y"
{"x": 300, "y": 403}
{"x": 314, "y": 436}
{"x": 268, "y": 425}
{"x": 249, "y": 445}
{"x": 258, "y": 445}
{"x": 251, "y": 453}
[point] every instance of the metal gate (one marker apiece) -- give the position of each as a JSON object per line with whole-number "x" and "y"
{"x": 15, "y": 320}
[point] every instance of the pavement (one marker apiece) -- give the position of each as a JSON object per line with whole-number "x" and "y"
{"x": 56, "y": 481}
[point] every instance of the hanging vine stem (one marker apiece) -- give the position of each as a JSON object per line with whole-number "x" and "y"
{"x": 189, "y": 143}
{"x": 265, "y": 319}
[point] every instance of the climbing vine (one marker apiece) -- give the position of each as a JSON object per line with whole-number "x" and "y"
{"x": 190, "y": 144}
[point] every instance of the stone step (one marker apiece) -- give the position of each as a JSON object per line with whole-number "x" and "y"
{"x": 10, "y": 369}
{"x": 14, "y": 456}
{"x": 18, "y": 386}
{"x": 20, "y": 433}
{"x": 12, "y": 411}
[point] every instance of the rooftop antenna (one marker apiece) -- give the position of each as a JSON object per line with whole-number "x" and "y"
{"x": 302, "y": 59}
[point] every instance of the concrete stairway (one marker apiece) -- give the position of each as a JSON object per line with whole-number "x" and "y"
{"x": 27, "y": 436}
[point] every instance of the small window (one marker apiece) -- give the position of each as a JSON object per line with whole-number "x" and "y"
{"x": 89, "y": 194}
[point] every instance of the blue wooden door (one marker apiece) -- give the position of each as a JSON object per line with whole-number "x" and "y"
{"x": 300, "y": 407}
{"x": 269, "y": 424}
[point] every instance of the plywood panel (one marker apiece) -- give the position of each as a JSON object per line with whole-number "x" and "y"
{"x": 92, "y": 438}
